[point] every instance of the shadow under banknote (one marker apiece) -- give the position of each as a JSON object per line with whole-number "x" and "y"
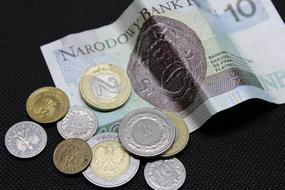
{"x": 235, "y": 117}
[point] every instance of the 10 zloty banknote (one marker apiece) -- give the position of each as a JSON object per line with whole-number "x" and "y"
{"x": 193, "y": 57}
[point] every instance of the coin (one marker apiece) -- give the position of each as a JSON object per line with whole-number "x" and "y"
{"x": 111, "y": 165}
{"x": 105, "y": 87}
{"x": 72, "y": 156}
{"x": 182, "y": 135}
{"x": 47, "y": 105}
{"x": 25, "y": 139}
{"x": 165, "y": 174}
{"x": 146, "y": 132}
{"x": 79, "y": 122}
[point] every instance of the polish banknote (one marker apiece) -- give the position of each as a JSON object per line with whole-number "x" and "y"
{"x": 195, "y": 57}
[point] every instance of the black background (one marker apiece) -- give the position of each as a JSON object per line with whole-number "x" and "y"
{"x": 241, "y": 148}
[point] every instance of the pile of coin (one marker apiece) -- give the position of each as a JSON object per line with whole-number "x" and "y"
{"x": 105, "y": 159}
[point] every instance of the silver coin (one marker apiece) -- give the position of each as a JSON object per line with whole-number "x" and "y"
{"x": 111, "y": 165}
{"x": 79, "y": 122}
{"x": 25, "y": 139}
{"x": 146, "y": 132}
{"x": 165, "y": 174}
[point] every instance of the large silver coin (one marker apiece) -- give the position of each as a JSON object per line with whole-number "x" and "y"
{"x": 111, "y": 165}
{"x": 165, "y": 174}
{"x": 25, "y": 139}
{"x": 146, "y": 132}
{"x": 79, "y": 122}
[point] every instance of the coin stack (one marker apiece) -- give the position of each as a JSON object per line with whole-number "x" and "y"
{"x": 106, "y": 159}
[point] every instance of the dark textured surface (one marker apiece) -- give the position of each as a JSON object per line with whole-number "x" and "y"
{"x": 241, "y": 148}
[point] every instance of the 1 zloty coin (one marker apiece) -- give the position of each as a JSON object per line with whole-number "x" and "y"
{"x": 146, "y": 132}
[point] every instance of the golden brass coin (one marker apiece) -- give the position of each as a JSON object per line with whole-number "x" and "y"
{"x": 182, "y": 135}
{"x": 102, "y": 157}
{"x": 105, "y": 87}
{"x": 72, "y": 156}
{"x": 47, "y": 105}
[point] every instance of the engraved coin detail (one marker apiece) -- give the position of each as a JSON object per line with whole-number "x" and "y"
{"x": 146, "y": 132}
{"x": 72, "y": 156}
{"x": 25, "y": 139}
{"x": 182, "y": 135}
{"x": 165, "y": 174}
{"x": 79, "y": 122}
{"x": 111, "y": 165}
{"x": 105, "y": 87}
{"x": 47, "y": 105}
{"x": 168, "y": 64}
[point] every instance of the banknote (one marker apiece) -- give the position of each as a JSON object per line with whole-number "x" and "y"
{"x": 194, "y": 57}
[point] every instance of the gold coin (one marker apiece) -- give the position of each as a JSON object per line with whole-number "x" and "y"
{"x": 47, "y": 105}
{"x": 72, "y": 156}
{"x": 182, "y": 135}
{"x": 110, "y": 160}
{"x": 105, "y": 87}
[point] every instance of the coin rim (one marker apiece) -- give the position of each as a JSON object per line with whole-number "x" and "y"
{"x": 115, "y": 137}
{"x": 152, "y": 185}
{"x": 60, "y": 116}
{"x": 96, "y": 104}
{"x": 145, "y": 110}
{"x": 64, "y": 141}
{"x": 177, "y": 151}
{"x": 32, "y": 155}
{"x": 93, "y": 115}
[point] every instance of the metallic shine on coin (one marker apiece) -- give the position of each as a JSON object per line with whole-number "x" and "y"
{"x": 105, "y": 87}
{"x": 72, "y": 156}
{"x": 146, "y": 132}
{"x": 79, "y": 122}
{"x": 111, "y": 165}
{"x": 182, "y": 135}
{"x": 25, "y": 139}
{"x": 47, "y": 105}
{"x": 165, "y": 174}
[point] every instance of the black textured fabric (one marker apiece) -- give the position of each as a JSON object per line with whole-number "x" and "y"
{"x": 241, "y": 148}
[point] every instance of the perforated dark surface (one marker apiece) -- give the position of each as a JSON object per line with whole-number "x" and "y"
{"x": 241, "y": 148}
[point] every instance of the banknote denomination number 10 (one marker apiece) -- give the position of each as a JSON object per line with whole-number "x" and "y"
{"x": 240, "y": 11}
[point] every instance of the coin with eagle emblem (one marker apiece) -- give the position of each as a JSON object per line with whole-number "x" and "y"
{"x": 111, "y": 165}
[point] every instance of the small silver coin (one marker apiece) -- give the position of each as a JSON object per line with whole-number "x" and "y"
{"x": 79, "y": 122}
{"x": 111, "y": 165}
{"x": 25, "y": 139}
{"x": 165, "y": 174}
{"x": 146, "y": 132}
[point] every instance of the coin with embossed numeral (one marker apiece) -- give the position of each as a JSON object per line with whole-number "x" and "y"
{"x": 79, "y": 122}
{"x": 105, "y": 87}
{"x": 146, "y": 132}
{"x": 165, "y": 174}
{"x": 111, "y": 165}
{"x": 47, "y": 105}
{"x": 25, "y": 139}
{"x": 72, "y": 156}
